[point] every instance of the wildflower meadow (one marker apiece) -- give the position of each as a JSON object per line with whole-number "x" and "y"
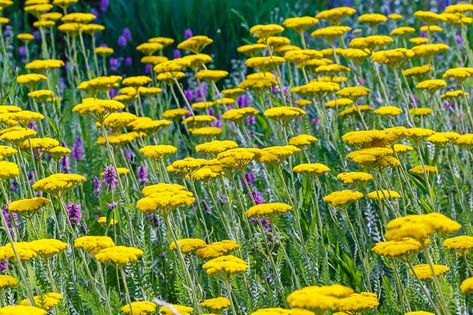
{"x": 327, "y": 170}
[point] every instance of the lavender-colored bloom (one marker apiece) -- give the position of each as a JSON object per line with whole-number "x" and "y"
{"x": 65, "y": 164}
{"x": 32, "y": 125}
{"x": 258, "y": 197}
{"x": 155, "y": 220}
{"x": 31, "y": 177}
{"x": 128, "y": 61}
{"x": 10, "y": 218}
{"x": 104, "y": 5}
{"x": 13, "y": 186}
{"x": 3, "y": 265}
{"x": 128, "y": 154}
{"x": 110, "y": 177}
{"x": 127, "y": 33}
{"x": 264, "y": 223}
{"x": 112, "y": 205}
{"x": 142, "y": 174}
{"x": 217, "y": 123}
{"x": 251, "y": 120}
{"x": 22, "y": 51}
{"x": 122, "y": 41}
{"x": 114, "y": 63}
{"x": 37, "y": 35}
{"x": 73, "y": 212}
{"x": 459, "y": 40}
{"x": 176, "y": 53}
{"x": 250, "y": 179}
{"x": 448, "y": 106}
{"x": 148, "y": 68}
{"x": 8, "y": 32}
{"x": 97, "y": 184}
{"x": 112, "y": 92}
{"x": 77, "y": 150}
{"x": 187, "y": 33}
{"x": 189, "y": 95}
{"x": 315, "y": 120}
{"x": 243, "y": 100}
{"x": 95, "y": 12}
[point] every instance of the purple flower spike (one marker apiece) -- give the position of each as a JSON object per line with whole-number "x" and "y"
{"x": 73, "y": 212}
{"x": 142, "y": 174}
{"x": 104, "y": 5}
{"x": 77, "y": 150}
{"x": 110, "y": 177}
{"x": 187, "y": 33}
{"x": 97, "y": 184}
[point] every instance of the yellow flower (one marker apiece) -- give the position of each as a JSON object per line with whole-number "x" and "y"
{"x": 354, "y": 92}
{"x": 31, "y": 79}
{"x": 251, "y": 49}
{"x": 319, "y": 298}
{"x": 355, "y": 109}
{"x": 104, "y": 51}
{"x": 417, "y": 70}
{"x": 238, "y": 114}
{"x": 58, "y": 182}
{"x": 140, "y": 308}
{"x": 403, "y": 30}
{"x": 93, "y": 244}
{"x": 426, "y": 271}
{"x": 46, "y": 302}
{"x": 336, "y": 14}
{"x": 466, "y": 139}
{"x": 453, "y": 94}
{"x": 7, "y": 281}
{"x": 397, "y": 248}
{"x": 354, "y": 177}
{"x": 421, "y": 111}
{"x": 78, "y": 17}
{"x": 429, "y": 17}
{"x": 216, "y": 304}
{"x": 277, "y": 154}
{"x": 119, "y": 255}
{"x": 338, "y": 102}
{"x": 216, "y": 146}
{"x": 97, "y": 107}
{"x": 211, "y": 75}
{"x": 302, "y": 140}
{"x": 225, "y": 266}
{"x": 300, "y": 23}
{"x": 429, "y": 49}
{"x": 217, "y": 249}
{"x": 311, "y": 169}
{"x": 6, "y": 151}
{"x": 358, "y": 302}
{"x": 392, "y": 57}
{"x": 330, "y": 32}
{"x": 467, "y": 286}
{"x": 22, "y": 310}
{"x": 102, "y": 83}
{"x": 165, "y": 200}
{"x": 284, "y": 113}
{"x": 373, "y": 41}
{"x": 383, "y": 194}
{"x": 44, "y": 64}
{"x": 342, "y": 198}
{"x": 188, "y": 245}
{"x": 8, "y": 170}
{"x": 22, "y": 249}
{"x": 119, "y": 138}
{"x": 423, "y": 169}
{"x": 105, "y": 220}
{"x": 372, "y": 18}
{"x": 459, "y": 8}
{"x": 431, "y": 85}
{"x": 461, "y": 244}
{"x": 195, "y": 43}
{"x": 281, "y": 311}
{"x": 265, "y": 31}
{"x": 149, "y": 48}
{"x": 419, "y": 40}
{"x": 39, "y": 143}
{"x": 148, "y": 125}
{"x": 206, "y": 131}
{"x": 266, "y": 62}
{"x": 459, "y": 74}
{"x": 181, "y": 310}
{"x": 267, "y": 209}
{"x": 28, "y": 206}
{"x": 388, "y": 111}
{"x": 157, "y": 151}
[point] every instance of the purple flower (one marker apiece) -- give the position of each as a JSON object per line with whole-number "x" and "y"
{"x": 114, "y": 63}
{"x": 250, "y": 179}
{"x": 10, "y": 217}
{"x": 110, "y": 177}
{"x": 127, "y": 33}
{"x": 77, "y": 150}
{"x": 112, "y": 92}
{"x": 33, "y": 125}
{"x": 94, "y": 12}
{"x": 448, "y": 106}
{"x": 155, "y": 220}
{"x": 128, "y": 61}
{"x": 176, "y": 53}
{"x": 264, "y": 223}
{"x": 251, "y": 120}
{"x": 73, "y": 212}
{"x": 459, "y": 39}
{"x": 142, "y": 174}
{"x": 128, "y": 154}
{"x": 65, "y": 165}
{"x": 13, "y": 187}
{"x": 104, "y": 5}
{"x": 189, "y": 95}
{"x": 243, "y": 100}
{"x": 148, "y": 68}
{"x": 187, "y": 33}
{"x": 315, "y": 120}
{"x": 97, "y": 184}
{"x": 3, "y": 265}
{"x": 112, "y": 205}
{"x": 22, "y": 51}
{"x": 122, "y": 41}
{"x": 258, "y": 197}
{"x": 31, "y": 177}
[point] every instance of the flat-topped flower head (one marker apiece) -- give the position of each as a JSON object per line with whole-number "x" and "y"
{"x": 19, "y": 250}
{"x": 216, "y": 304}
{"x": 336, "y": 14}
{"x": 46, "y": 301}
{"x": 28, "y": 206}
{"x": 216, "y": 146}
{"x": 342, "y": 198}
{"x": 22, "y": 310}
{"x": 383, "y": 194}
{"x": 225, "y": 266}
{"x": 8, "y": 170}
{"x": 157, "y": 151}
{"x": 149, "y": 48}
{"x": 46, "y": 64}
{"x": 423, "y": 169}
{"x": 7, "y": 281}
{"x": 314, "y": 169}
{"x": 431, "y": 85}
{"x": 284, "y": 113}
{"x": 58, "y": 183}
{"x": 358, "y": 302}
{"x": 281, "y": 311}
{"x": 165, "y": 201}
{"x": 460, "y": 244}
{"x": 300, "y": 23}
{"x": 119, "y": 255}
{"x": 93, "y": 244}
{"x": 425, "y": 272}
{"x": 397, "y": 248}
{"x": 188, "y": 245}
{"x": 179, "y": 309}
{"x": 466, "y": 286}
{"x": 195, "y": 44}
{"x": 217, "y": 249}
{"x": 372, "y": 18}
{"x": 329, "y": 33}
{"x": 319, "y": 298}
{"x": 354, "y": 177}
{"x": 140, "y": 308}
{"x": 263, "y": 31}
{"x": 268, "y": 209}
